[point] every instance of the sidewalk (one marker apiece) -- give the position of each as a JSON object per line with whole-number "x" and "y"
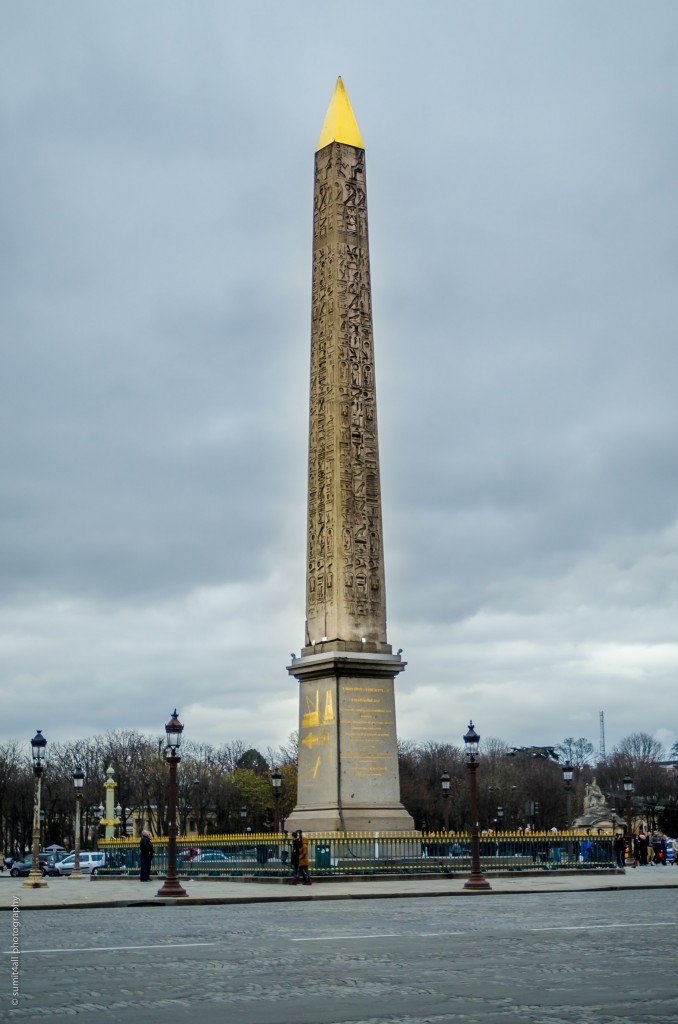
{"x": 66, "y": 893}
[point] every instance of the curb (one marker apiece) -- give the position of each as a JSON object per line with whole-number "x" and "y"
{"x": 200, "y": 901}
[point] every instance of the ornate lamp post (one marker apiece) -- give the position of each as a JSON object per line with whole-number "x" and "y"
{"x": 78, "y": 782}
{"x": 35, "y": 879}
{"x": 99, "y": 812}
{"x": 195, "y": 806}
{"x": 500, "y": 818}
{"x": 651, "y": 803}
{"x": 276, "y": 782}
{"x": 567, "y": 779}
{"x": 445, "y": 787}
{"x": 628, "y": 790}
{"x": 243, "y": 815}
{"x": 173, "y": 730}
{"x": 476, "y": 880}
{"x": 118, "y": 820}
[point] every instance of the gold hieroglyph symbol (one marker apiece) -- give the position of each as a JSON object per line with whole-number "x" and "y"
{"x": 311, "y": 718}
{"x": 311, "y": 772}
{"x": 328, "y": 717}
{"x": 313, "y": 738}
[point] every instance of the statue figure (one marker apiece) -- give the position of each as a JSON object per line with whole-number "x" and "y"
{"x": 594, "y": 799}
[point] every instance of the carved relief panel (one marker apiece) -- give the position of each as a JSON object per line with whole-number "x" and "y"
{"x": 345, "y": 592}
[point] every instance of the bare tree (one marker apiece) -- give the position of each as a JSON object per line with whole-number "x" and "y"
{"x": 640, "y": 748}
{"x": 577, "y": 751}
{"x": 228, "y": 755}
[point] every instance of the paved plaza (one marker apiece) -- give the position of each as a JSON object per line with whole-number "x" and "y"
{"x": 67, "y": 892}
{"x": 549, "y": 950}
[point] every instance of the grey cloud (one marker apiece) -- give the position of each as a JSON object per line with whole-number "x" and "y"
{"x": 155, "y": 321}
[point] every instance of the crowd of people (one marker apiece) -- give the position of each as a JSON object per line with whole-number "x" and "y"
{"x": 651, "y": 848}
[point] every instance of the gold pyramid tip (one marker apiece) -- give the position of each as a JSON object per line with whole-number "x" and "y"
{"x": 340, "y": 124}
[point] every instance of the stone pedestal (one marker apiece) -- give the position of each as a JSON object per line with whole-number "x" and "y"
{"x": 348, "y": 756}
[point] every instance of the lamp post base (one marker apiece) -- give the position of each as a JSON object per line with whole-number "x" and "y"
{"x": 171, "y": 887}
{"x": 35, "y": 882}
{"x": 477, "y": 882}
{"x": 76, "y": 875}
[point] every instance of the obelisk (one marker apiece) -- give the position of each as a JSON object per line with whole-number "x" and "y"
{"x": 348, "y": 757}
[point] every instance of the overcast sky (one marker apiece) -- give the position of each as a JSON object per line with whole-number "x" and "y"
{"x": 155, "y": 258}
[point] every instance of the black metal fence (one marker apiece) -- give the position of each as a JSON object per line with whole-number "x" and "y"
{"x": 364, "y": 853}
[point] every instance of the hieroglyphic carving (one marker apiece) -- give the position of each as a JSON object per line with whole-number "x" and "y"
{"x": 345, "y": 581}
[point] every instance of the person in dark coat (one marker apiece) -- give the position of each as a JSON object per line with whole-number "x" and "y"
{"x": 642, "y": 844}
{"x": 146, "y": 856}
{"x": 300, "y": 858}
{"x": 620, "y": 849}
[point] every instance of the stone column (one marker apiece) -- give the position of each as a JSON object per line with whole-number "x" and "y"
{"x": 110, "y": 821}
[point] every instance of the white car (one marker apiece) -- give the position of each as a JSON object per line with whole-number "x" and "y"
{"x": 89, "y": 863}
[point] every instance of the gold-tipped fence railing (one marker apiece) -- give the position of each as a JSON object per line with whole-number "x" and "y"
{"x": 367, "y": 853}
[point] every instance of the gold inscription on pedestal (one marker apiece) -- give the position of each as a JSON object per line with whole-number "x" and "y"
{"x": 367, "y": 730}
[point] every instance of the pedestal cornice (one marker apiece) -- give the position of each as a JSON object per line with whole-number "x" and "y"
{"x": 346, "y": 663}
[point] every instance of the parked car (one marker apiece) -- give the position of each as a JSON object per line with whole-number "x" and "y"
{"x": 51, "y": 863}
{"x": 210, "y": 859}
{"x": 89, "y": 863}
{"x": 211, "y": 855}
{"x": 23, "y": 867}
{"x": 188, "y": 855}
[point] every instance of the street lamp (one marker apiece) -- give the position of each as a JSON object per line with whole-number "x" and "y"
{"x": 117, "y": 810}
{"x": 651, "y": 804}
{"x": 567, "y": 779}
{"x": 196, "y": 805}
{"x": 476, "y": 880}
{"x": 78, "y": 783}
{"x": 445, "y": 786}
{"x": 276, "y": 782}
{"x": 98, "y": 813}
{"x": 628, "y": 790}
{"x": 243, "y": 815}
{"x": 500, "y": 818}
{"x": 173, "y": 730}
{"x": 35, "y": 879}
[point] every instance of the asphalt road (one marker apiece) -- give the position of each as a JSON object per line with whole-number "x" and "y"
{"x": 580, "y": 958}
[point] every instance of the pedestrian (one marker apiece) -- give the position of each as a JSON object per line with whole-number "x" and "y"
{"x": 2, "y": 862}
{"x": 145, "y": 856}
{"x": 620, "y": 849}
{"x": 294, "y": 858}
{"x": 659, "y": 848}
{"x": 300, "y": 858}
{"x": 641, "y": 846}
{"x": 674, "y": 844}
{"x": 586, "y": 852}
